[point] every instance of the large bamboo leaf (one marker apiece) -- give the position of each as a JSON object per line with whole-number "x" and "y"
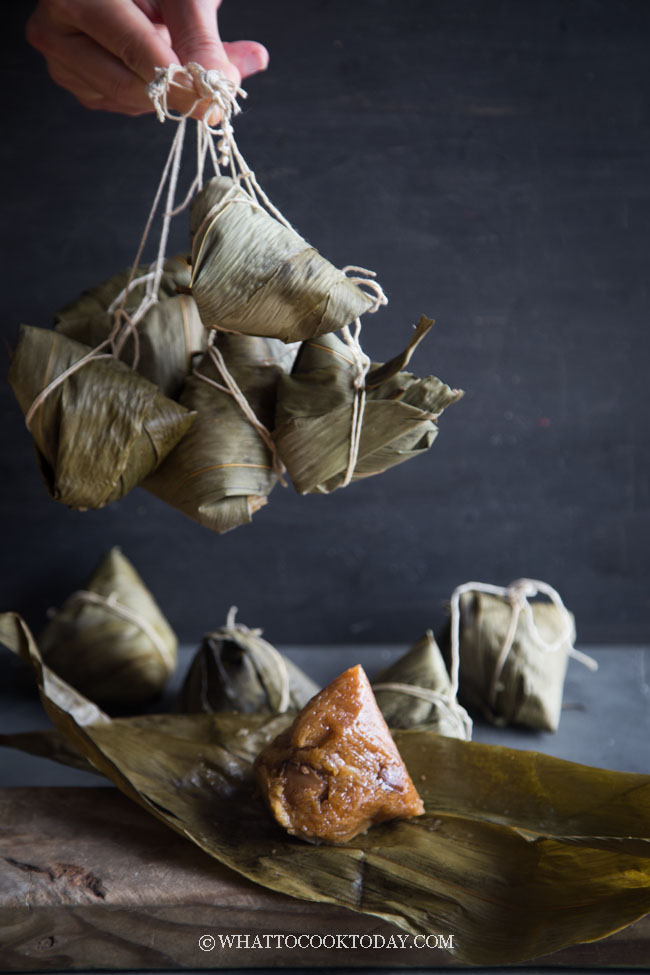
{"x": 517, "y": 854}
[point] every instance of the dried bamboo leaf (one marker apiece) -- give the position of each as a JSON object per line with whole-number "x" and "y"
{"x": 102, "y": 430}
{"x": 424, "y": 670}
{"x": 252, "y": 274}
{"x": 170, "y": 335}
{"x": 222, "y": 471}
{"x": 530, "y": 685}
{"x": 234, "y": 669}
{"x": 314, "y": 414}
{"x": 110, "y": 640}
{"x": 517, "y": 854}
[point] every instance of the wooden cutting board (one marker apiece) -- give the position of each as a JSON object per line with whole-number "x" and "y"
{"x": 89, "y": 880}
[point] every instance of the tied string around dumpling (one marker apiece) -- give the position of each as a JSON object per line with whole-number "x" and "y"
{"x": 361, "y": 361}
{"x": 112, "y": 604}
{"x": 518, "y": 594}
{"x": 446, "y": 704}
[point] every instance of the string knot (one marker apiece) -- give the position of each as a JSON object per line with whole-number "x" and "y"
{"x": 211, "y": 86}
{"x": 518, "y": 594}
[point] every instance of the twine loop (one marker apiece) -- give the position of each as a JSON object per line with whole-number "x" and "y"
{"x": 518, "y": 594}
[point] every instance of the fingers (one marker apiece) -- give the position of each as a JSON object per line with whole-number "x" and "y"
{"x": 248, "y": 56}
{"x": 105, "y": 51}
{"x": 97, "y": 78}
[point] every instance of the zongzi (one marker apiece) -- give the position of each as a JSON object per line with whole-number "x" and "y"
{"x": 221, "y": 473}
{"x": 102, "y": 429}
{"x": 253, "y": 274}
{"x": 110, "y": 639}
{"x": 234, "y": 669}
{"x": 416, "y": 692}
{"x": 336, "y": 771}
{"x": 315, "y": 407}
{"x": 169, "y": 335}
{"x": 525, "y": 685}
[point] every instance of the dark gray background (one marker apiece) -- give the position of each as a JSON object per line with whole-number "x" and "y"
{"x": 490, "y": 159}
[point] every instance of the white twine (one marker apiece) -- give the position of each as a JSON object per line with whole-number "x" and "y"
{"x": 361, "y": 363}
{"x": 234, "y": 390}
{"x": 112, "y": 604}
{"x": 276, "y": 657}
{"x": 517, "y": 594}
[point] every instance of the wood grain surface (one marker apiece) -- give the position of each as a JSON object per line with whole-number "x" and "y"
{"x": 88, "y": 880}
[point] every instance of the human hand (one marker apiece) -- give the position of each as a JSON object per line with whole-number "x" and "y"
{"x": 106, "y": 51}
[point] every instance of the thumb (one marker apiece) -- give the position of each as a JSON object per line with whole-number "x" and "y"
{"x": 194, "y": 34}
{"x": 249, "y": 57}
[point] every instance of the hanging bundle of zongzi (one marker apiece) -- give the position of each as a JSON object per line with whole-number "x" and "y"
{"x": 314, "y": 415}
{"x": 234, "y": 669}
{"x": 102, "y": 429}
{"x": 221, "y": 473}
{"x": 509, "y": 677}
{"x": 110, "y": 639}
{"x": 169, "y": 335}
{"x": 416, "y": 692}
{"x": 253, "y": 274}
{"x": 336, "y": 771}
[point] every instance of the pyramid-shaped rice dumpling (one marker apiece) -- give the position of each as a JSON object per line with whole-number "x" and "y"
{"x": 170, "y": 334}
{"x": 222, "y": 472}
{"x": 336, "y": 771}
{"x": 234, "y": 669}
{"x": 314, "y": 414}
{"x": 253, "y": 274}
{"x": 99, "y": 432}
{"x": 111, "y": 640}
{"x": 416, "y": 692}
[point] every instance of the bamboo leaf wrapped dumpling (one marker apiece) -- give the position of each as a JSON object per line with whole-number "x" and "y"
{"x": 253, "y": 274}
{"x": 234, "y": 669}
{"x": 416, "y": 691}
{"x": 170, "y": 334}
{"x": 525, "y": 685}
{"x": 313, "y": 423}
{"x": 110, "y": 640}
{"x": 102, "y": 429}
{"x": 221, "y": 473}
